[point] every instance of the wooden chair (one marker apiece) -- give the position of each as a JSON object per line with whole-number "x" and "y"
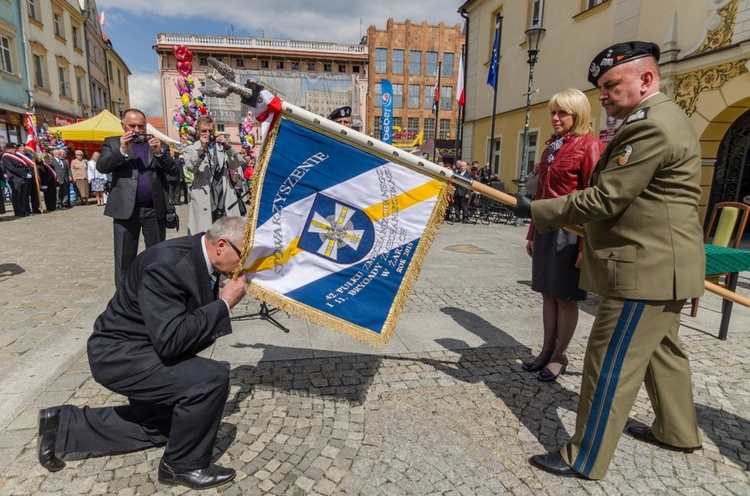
{"x": 732, "y": 219}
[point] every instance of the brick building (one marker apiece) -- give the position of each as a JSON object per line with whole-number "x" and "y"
{"x": 408, "y": 55}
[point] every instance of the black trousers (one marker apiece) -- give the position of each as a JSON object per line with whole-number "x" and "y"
{"x": 63, "y": 194}
{"x": 20, "y": 199}
{"x": 174, "y": 191}
{"x": 178, "y": 403}
{"x": 127, "y": 233}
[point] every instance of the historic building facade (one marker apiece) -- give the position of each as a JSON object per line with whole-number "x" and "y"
{"x": 318, "y": 76}
{"x": 705, "y": 48}
{"x": 408, "y": 55}
{"x": 14, "y": 82}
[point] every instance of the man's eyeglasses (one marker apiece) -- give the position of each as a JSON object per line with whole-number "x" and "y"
{"x": 236, "y": 250}
{"x": 205, "y": 131}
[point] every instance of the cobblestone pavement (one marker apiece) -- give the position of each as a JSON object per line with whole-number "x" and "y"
{"x": 447, "y": 421}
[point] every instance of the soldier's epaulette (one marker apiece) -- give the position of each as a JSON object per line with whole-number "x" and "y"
{"x": 637, "y": 116}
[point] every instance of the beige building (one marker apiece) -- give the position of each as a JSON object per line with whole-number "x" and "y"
{"x": 318, "y": 76}
{"x": 408, "y": 55}
{"x": 57, "y": 59}
{"x": 96, "y": 49}
{"x": 117, "y": 74}
{"x": 704, "y": 67}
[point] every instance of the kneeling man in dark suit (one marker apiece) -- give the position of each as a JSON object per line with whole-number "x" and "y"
{"x": 144, "y": 346}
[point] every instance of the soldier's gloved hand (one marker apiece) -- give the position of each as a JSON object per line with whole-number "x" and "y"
{"x": 522, "y": 208}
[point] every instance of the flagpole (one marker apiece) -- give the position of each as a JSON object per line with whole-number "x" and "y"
{"x": 461, "y": 84}
{"x": 496, "y": 52}
{"x": 437, "y": 110}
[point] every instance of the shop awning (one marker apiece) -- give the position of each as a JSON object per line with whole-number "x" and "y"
{"x": 95, "y": 129}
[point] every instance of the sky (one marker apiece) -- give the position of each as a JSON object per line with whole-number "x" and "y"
{"x": 132, "y": 27}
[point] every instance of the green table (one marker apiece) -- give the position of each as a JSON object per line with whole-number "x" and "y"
{"x": 722, "y": 260}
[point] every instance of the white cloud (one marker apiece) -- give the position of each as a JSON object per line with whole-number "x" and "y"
{"x": 330, "y": 20}
{"x": 145, "y": 93}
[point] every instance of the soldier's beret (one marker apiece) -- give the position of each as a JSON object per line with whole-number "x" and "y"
{"x": 619, "y": 54}
{"x": 341, "y": 112}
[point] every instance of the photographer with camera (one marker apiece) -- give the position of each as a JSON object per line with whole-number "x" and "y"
{"x": 209, "y": 159}
{"x": 138, "y": 163}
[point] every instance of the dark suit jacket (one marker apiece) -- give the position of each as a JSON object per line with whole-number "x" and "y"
{"x": 164, "y": 309}
{"x": 460, "y": 190}
{"x": 124, "y": 170}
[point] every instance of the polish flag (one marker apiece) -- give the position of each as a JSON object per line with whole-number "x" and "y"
{"x": 102, "y": 21}
{"x": 460, "y": 92}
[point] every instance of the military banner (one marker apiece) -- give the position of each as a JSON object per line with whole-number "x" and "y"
{"x": 337, "y": 232}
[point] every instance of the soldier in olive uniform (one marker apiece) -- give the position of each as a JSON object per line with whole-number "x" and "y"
{"x": 644, "y": 255}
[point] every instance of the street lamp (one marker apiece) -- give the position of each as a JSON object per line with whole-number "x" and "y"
{"x": 120, "y": 106}
{"x": 533, "y": 36}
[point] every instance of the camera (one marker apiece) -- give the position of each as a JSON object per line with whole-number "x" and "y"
{"x": 141, "y": 138}
{"x": 212, "y": 138}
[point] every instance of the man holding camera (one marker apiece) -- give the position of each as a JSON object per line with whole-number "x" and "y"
{"x": 209, "y": 159}
{"x": 138, "y": 163}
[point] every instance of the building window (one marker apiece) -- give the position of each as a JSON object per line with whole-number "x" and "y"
{"x": 279, "y": 64}
{"x": 448, "y": 64}
{"x": 220, "y": 127}
{"x": 378, "y": 93}
{"x": 40, "y": 79}
{"x": 342, "y": 67}
{"x": 81, "y": 89}
{"x": 202, "y": 61}
{"x": 295, "y": 66}
{"x": 59, "y": 26}
{"x": 413, "y": 101}
{"x": 110, "y": 71}
{"x": 533, "y": 146}
{"x": 415, "y": 62}
{"x": 397, "y": 121}
{"x": 76, "y": 37}
{"x": 446, "y": 96}
{"x": 380, "y": 60}
{"x": 327, "y": 67}
{"x": 377, "y": 127}
{"x": 431, "y": 60}
{"x": 311, "y": 66}
{"x": 429, "y": 128}
{"x": 537, "y": 11}
{"x": 429, "y": 96}
{"x": 64, "y": 86}
{"x": 398, "y": 62}
{"x": 412, "y": 126}
{"x": 264, "y": 64}
{"x": 34, "y": 12}
{"x": 6, "y": 59}
{"x": 398, "y": 96}
{"x": 119, "y": 78}
{"x": 445, "y": 128}
{"x": 495, "y": 154}
{"x": 239, "y": 63}
{"x": 355, "y": 69}
{"x": 590, "y": 4}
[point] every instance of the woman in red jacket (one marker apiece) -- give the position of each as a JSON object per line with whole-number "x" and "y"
{"x": 566, "y": 166}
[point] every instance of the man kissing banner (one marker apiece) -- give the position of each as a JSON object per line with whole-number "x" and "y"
{"x": 337, "y": 232}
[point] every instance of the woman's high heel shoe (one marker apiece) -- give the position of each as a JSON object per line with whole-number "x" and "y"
{"x": 546, "y": 376}
{"x": 532, "y": 367}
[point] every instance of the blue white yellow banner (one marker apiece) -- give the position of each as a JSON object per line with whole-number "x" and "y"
{"x": 337, "y": 233}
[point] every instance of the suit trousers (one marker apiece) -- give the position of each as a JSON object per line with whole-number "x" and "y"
{"x": 20, "y": 200}
{"x": 127, "y": 232}
{"x": 178, "y": 402}
{"x": 631, "y": 342}
{"x": 63, "y": 194}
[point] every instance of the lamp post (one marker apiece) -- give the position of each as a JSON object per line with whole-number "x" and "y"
{"x": 533, "y": 35}
{"x": 120, "y": 106}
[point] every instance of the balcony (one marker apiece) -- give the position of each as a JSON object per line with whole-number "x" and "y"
{"x": 261, "y": 44}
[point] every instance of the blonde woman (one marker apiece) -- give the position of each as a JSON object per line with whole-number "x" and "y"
{"x": 566, "y": 166}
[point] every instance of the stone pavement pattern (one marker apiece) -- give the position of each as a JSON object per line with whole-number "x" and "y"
{"x": 443, "y": 409}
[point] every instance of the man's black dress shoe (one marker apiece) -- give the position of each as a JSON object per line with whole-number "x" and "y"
{"x": 643, "y": 433}
{"x": 554, "y": 464}
{"x": 203, "y": 478}
{"x": 45, "y": 441}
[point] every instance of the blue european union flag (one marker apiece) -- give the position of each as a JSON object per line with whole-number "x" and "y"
{"x": 492, "y": 74}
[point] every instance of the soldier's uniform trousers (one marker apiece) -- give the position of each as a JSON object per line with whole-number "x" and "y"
{"x": 631, "y": 342}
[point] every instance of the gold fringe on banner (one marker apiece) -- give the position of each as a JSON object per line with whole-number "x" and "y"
{"x": 315, "y": 315}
